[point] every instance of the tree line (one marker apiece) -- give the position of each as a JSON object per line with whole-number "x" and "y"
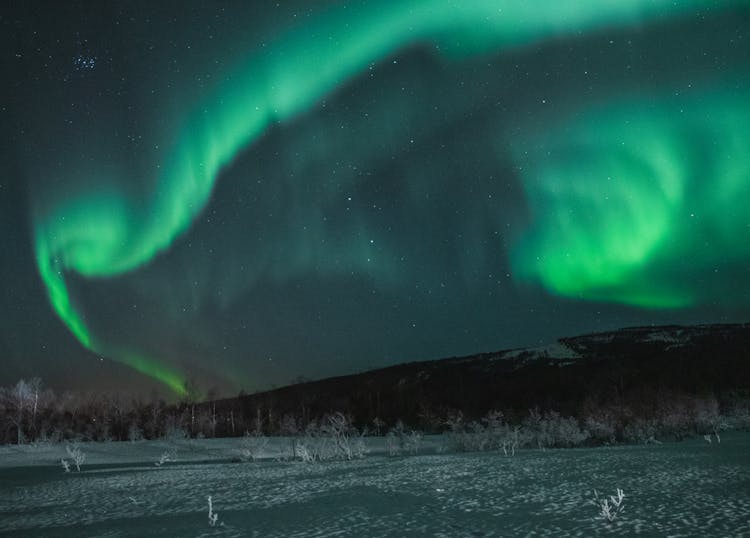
{"x": 32, "y": 413}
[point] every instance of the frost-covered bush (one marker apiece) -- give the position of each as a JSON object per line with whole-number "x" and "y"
{"x": 492, "y": 433}
{"x": 76, "y": 455}
{"x": 610, "y": 508}
{"x": 333, "y": 438}
{"x": 412, "y": 442}
{"x": 568, "y": 433}
{"x": 400, "y": 440}
{"x": 553, "y": 430}
{"x": 166, "y": 457}
{"x": 466, "y": 437}
{"x": 252, "y": 446}
{"x": 213, "y": 517}
{"x": 501, "y": 435}
{"x": 394, "y": 439}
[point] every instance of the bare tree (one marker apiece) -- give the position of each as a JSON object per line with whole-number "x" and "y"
{"x": 18, "y": 402}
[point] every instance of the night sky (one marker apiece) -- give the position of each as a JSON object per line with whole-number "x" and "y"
{"x": 244, "y": 193}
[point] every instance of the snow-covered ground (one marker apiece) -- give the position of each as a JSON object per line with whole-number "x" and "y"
{"x": 682, "y": 489}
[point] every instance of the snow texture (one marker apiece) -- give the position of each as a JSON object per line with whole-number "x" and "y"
{"x": 684, "y": 489}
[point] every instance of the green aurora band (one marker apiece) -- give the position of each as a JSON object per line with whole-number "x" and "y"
{"x": 106, "y": 233}
{"x": 627, "y": 195}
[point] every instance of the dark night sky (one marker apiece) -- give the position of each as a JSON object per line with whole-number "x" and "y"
{"x": 248, "y": 194}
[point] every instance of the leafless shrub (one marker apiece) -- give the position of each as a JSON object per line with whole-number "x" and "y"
{"x": 166, "y": 457}
{"x": 76, "y": 455}
{"x": 553, "y": 430}
{"x": 213, "y": 517}
{"x": 610, "y": 508}
{"x": 333, "y": 438}
{"x": 252, "y": 446}
{"x": 401, "y": 439}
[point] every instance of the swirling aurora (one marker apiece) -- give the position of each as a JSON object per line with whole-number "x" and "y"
{"x": 622, "y": 193}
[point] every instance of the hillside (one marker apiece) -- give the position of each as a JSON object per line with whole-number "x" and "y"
{"x": 635, "y": 365}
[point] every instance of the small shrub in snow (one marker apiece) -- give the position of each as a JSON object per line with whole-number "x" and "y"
{"x": 252, "y": 446}
{"x": 610, "y": 508}
{"x": 65, "y": 465}
{"x": 334, "y": 438}
{"x": 511, "y": 440}
{"x": 392, "y": 444}
{"x": 493, "y": 433}
{"x": 76, "y": 455}
{"x": 400, "y": 439}
{"x": 347, "y": 443}
{"x": 553, "y": 430}
{"x": 412, "y": 441}
{"x": 165, "y": 457}
{"x": 303, "y": 452}
{"x": 464, "y": 437}
{"x": 213, "y": 517}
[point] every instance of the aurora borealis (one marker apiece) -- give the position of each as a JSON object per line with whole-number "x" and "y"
{"x": 632, "y": 192}
{"x": 244, "y": 195}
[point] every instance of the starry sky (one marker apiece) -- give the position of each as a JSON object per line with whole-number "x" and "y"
{"x": 247, "y": 193}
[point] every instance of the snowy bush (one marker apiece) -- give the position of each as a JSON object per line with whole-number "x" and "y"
{"x": 252, "y": 446}
{"x": 166, "y": 457}
{"x": 76, "y": 455}
{"x": 501, "y": 435}
{"x": 493, "y": 433}
{"x": 610, "y": 508}
{"x": 553, "y": 430}
{"x": 213, "y": 517}
{"x": 412, "y": 442}
{"x": 304, "y": 453}
{"x": 333, "y": 438}
{"x": 463, "y": 437}
{"x": 400, "y": 439}
{"x": 567, "y": 432}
